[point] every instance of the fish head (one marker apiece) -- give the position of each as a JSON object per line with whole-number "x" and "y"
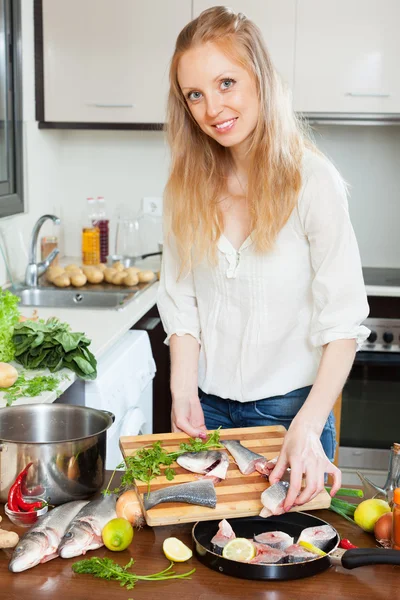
{"x": 29, "y": 552}
{"x": 76, "y": 540}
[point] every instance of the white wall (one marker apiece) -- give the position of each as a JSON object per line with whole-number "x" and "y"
{"x": 62, "y": 168}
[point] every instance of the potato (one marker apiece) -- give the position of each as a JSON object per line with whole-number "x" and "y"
{"x": 72, "y": 268}
{"x": 132, "y": 270}
{"x": 118, "y": 266}
{"x": 101, "y": 266}
{"x": 131, "y": 279}
{"x": 78, "y": 279}
{"x": 94, "y": 275}
{"x": 145, "y": 276}
{"x": 53, "y": 272}
{"x": 119, "y": 278}
{"x": 8, "y": 539}
{"x": 108, "y": 274}
{"x": 8, "y": 375}
{"x": 62, "y": 281}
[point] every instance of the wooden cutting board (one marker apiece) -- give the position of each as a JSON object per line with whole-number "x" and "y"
{"x": 237, "y": 496}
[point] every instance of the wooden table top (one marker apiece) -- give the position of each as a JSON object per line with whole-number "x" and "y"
{"x": 55, "y": 579}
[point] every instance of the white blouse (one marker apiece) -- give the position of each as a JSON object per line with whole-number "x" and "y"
{"x": 261, "y": 319}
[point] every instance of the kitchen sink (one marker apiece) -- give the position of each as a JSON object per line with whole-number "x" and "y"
{"x": 70, "y": 298}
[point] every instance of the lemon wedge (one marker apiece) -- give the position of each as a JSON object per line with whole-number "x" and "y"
{"x": 312, "y": 548}
{"x": 239, "y": 549}
{"x": 176, "y": 550}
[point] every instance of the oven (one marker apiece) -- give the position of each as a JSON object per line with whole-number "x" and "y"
{"x": 370, "y": 421}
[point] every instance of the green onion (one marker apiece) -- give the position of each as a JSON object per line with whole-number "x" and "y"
{"x": 344, "y": 506}
{"x": 341, "y": 513}
{"x": 348, "y": 492}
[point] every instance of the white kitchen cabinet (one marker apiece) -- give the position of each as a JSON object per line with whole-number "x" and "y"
{"x": 276, "y": 21}
{"x": 107, "y": 62}
{"x": 347, "y": 56}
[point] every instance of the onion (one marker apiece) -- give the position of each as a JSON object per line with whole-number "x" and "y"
{"x": 383, "y": 529}
{"x": 128, "y": 507}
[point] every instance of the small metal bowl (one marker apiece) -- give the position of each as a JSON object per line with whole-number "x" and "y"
{"x": 26, "y": 519}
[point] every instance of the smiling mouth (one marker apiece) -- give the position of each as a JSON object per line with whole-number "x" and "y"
{"x": 225, "y": 125}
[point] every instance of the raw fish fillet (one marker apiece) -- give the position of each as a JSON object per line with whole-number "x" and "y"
{"x": 273, "y": 499}
{"x": 318, "y": 536}
{"x": 297, "y": 553}
{"x": 195, "y": 492}
{"x": 274, "y": 539}
{"x": 224, "y": 534}
{"x": 247, "y": 460}
{"x": 269, "y": 556}
{"x": 212, "y": 463}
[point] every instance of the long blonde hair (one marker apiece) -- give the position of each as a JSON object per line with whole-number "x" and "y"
{"x": 199, "y": 165}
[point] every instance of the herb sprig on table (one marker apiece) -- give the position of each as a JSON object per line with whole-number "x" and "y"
{"x": 146, "y": 463}
{"x": 106, "y": 568}
{"x": 33, "y": 386}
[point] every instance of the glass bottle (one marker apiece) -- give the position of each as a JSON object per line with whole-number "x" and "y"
{"x": 90, "y": 235}
{"x": 393, "y": 478}
{"x": 102, "y": 223}
{"x": 396, "y": 520}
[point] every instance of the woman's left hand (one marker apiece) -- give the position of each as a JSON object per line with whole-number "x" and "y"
{"x": 302, "y": 451}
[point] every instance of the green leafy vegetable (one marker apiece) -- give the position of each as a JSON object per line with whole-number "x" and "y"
{"x": 51, "y": 344}
{"x": 9, "y": 316}
{"x": 146, "y": 463}
{"x": 106, "y": 568}
{"x": 353, "y": 493}
{"x": 33, "y": 386}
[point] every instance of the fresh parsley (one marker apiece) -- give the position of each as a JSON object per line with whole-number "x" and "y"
{"x": 29, "y": 387}
{"x": 106, "y": 568}
{"x": 9, "y": 316}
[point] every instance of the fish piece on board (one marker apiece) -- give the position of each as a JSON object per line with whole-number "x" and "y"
{"x": 84, "y": 531}
{"x": 319, "y": 536}
{"x": 41, "y": 542}
{"x": 269, "y": 556}
{"x": 296, "y": 553}
{"x": 224, "y": 534}
{"x": 212, "y": 463}
{"x": 247, "y": 460}
{"x": 273, "y": 499}
{"x": 200, "y": 492}
{"x": 274, "y": 539}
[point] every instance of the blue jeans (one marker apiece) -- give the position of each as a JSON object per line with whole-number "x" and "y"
{"x": 277, "y": 410}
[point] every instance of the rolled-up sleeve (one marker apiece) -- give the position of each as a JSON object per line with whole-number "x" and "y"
{"x": 339, "y": 296}
{"x": 176, "y": 298}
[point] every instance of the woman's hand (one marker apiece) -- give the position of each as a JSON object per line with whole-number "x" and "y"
{"x": 187, "y": 416}
{"x": 302, "y": 451}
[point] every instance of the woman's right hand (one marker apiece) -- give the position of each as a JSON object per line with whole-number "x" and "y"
{"x": 187, "y": 416}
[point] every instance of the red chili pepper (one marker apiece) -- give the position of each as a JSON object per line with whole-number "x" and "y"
{"x": 26, "y": 506}
{"x": 11, "y": 500}
{"x": 15, "y": 499}
{"x": 346, "y": 545}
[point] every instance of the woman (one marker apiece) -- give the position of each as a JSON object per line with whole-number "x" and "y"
{"x": 261, "y": 292}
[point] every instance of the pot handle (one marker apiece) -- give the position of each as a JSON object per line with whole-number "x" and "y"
{"x": 110, "y": 414}
{"x": 361, "y": 557}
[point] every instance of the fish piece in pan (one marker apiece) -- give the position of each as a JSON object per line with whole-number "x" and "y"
{"x": 318, "y": 536}
{"x": 274, "y": 539}
{"x": 224, "y": 535}
{"x": 296, "y": 553}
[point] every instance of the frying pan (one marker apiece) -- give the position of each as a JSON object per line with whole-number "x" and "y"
{"x": 293, "y": 524}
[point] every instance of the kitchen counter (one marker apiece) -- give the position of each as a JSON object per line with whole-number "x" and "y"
{"x": 55, "y": 578}
{"x": 103, "y": 326}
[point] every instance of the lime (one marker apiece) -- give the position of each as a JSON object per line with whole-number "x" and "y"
{"x": 176, "y": 550}
{"x": 311, "y": 548}
{"x": 368, "y": 512}
{"x": 239, "y": 549}
{"x": 117, "y": 534}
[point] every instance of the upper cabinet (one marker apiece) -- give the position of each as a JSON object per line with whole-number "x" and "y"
{"x": 107, "y": 62}
{"x": 277, "y": 23}
{"x": 347, "y": 56}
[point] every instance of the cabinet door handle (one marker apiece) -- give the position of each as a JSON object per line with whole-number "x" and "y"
{"x": 366, "y": 95}
{"x": 113, "y": 105}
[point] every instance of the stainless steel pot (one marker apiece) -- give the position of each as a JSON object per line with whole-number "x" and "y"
{"x": 66, "y": 445}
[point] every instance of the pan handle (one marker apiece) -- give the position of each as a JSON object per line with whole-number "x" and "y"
{"x": 361, "y": 557}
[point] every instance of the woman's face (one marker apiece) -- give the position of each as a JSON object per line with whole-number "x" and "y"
{"x": 220, "y": 93}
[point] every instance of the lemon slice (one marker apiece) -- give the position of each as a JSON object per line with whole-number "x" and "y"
{"x": 312, "y": 548}
{"x": 176, "y": 550}
{"x": 239, "y": 549}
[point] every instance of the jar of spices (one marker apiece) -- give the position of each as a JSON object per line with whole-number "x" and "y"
{"x": 396, "y": 520}
{"x": 47, "y": 245}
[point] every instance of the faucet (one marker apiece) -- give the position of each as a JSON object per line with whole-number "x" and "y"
{"x": 35, "y": 269}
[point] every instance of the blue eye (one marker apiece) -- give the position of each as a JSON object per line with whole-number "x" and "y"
{"x": 194, "y": 96}
{"x": 226, "y": 84}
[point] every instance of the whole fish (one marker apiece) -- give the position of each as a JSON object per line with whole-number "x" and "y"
{"x": 84, "y": 531}
{"x": 200, "y": 492}
{"x": 247, "y": 460}
{"x": 273, "y": 499}
{"x": 212, "y": 463}
{"x": 40, "y": 543}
